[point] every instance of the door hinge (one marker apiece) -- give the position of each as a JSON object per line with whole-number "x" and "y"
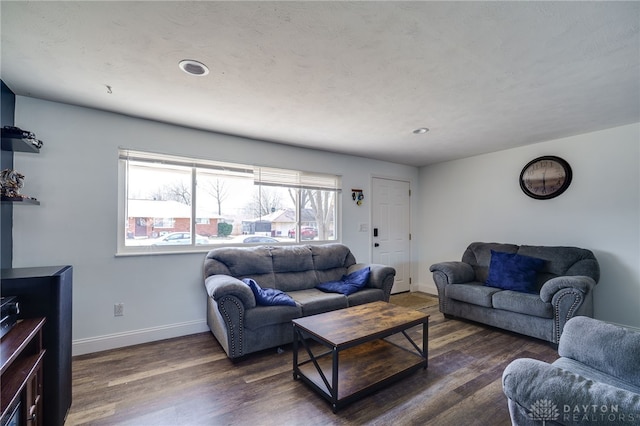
{"x": 409, "y": 237}
{"x": 409, "y": 280}
{"x": 409, "y": 193}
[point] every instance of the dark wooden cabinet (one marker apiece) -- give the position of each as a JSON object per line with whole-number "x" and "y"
{"x": 47, "y": 292}
{"x": 21, "y": 361}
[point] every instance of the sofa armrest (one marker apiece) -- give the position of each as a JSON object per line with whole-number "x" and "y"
{"x": 608, "y": 348}
{"x": 546, "y": 392}
{"x": 219, "y": 286}
{"x": 579, "y": 282}
{"x": 569, "y": 296}
{"x": 453, "y": 272}
{"x": 445, "y": 273}
{"x": 381, "y": 276}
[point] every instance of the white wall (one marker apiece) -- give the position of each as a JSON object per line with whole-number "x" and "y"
{"x": 453, "y": 203}
{"x": 479, "y": 199}
{"x": 75, "y": 178}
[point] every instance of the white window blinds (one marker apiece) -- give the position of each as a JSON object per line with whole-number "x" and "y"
{"x": 228, "y": 169}
{"x": 296, "y": 179}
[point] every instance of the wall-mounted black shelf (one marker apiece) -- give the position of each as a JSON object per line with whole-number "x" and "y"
{"x": 19, "y": 200}
{"x": 18, "y": 145}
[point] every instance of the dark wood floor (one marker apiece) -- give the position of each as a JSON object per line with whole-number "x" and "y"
{"x": 190, "y": 381}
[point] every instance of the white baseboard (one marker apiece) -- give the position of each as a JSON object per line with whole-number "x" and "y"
{"x": 425, "y": 288}
{"x": 135, "y": 337}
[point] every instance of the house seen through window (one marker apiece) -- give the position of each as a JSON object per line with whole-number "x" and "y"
{"x": 176, "y": 201}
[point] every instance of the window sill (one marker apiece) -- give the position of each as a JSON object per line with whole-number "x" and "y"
{"x": 154, "y": 251}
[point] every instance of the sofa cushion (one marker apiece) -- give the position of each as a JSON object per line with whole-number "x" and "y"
{"x": 268, "y": 296}
{"x": 478, "y": 255}
{"x": 349, "y": 284}
{"x": 330, "y": 256}
{"x": 564, "y": 260}
{"x": 331, "y": 261}
{"x": 314, "y": 301}
{"x": 291, "y": 259}
{"x": 512, "y": 271}
{"x": 292, "y": 268}
{"x": 239, "y": 261}
{"x": 476, "y": 294}
{"x": 366, "y": 295}
{"x": 262, "y": 316}
{"x": 522, "y": 303}
{"x": 290, "y": 281}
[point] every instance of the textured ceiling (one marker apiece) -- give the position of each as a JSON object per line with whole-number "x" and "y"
{"x": 350, "y": 77}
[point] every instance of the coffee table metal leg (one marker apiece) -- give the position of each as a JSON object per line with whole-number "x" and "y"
{"x": 424, "y": 351}
{"x": 295, "y": 352}
{"x": 334, "y": 380}
{"x": 425, "y": 340}
{"x": 332, "y": 388}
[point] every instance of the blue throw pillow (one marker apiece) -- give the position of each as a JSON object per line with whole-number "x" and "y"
{"x": 349, "y": 284}
{"x": 512, "y": 271}
{"x": 269, "y": 296}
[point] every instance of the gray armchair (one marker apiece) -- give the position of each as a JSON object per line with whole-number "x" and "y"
{"x": 595, "y": 381}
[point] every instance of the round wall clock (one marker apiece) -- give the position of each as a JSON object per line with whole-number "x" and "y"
{"x": 545, "y": 177}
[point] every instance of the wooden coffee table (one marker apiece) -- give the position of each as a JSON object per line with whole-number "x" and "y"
{"x": 360, "y": 358}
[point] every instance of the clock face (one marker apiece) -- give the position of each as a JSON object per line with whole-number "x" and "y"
{"x": 545, "y": 177}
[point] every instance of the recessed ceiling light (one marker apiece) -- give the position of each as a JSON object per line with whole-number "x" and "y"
{"x": 421, "y": 130}
{"x": 193, "y": 67}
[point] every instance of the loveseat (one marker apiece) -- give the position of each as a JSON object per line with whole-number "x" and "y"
{"x": 596, "y": 380}
{"x": 242, "y": 325}
{"x": 531, "y": 290}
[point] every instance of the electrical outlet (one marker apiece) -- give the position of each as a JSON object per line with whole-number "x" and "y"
{"x": 118, "y": 310}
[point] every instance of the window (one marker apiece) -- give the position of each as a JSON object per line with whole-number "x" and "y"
{"x": 183, "y": 202}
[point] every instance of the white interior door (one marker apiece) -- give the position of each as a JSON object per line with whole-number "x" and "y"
{"x": 391, "y": 229}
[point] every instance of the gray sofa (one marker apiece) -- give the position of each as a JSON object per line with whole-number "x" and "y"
{"x": 595, "y": 381}
{"x": 242, "y": 326}
{"x": 563, "y": 289}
